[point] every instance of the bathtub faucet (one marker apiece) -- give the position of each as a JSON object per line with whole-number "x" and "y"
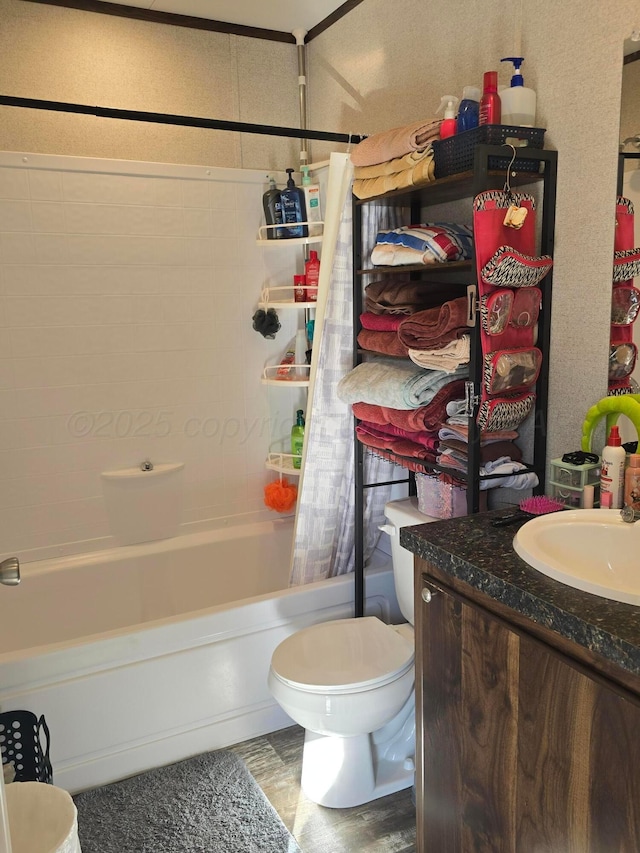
{"x": 147, "y": 465}
{"x": 10, "y": 571}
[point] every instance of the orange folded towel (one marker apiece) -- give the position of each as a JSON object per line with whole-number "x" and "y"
{"x": 396, "y": 142}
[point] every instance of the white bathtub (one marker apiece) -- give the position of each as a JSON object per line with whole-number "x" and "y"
{"x": 142, "y": 655}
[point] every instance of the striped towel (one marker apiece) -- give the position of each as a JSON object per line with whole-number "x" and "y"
{"x": 437, "y": 242}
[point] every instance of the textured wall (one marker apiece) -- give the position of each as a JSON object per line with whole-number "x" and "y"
{"x": 374, "y": 70}
{"x": 67, "y": 55}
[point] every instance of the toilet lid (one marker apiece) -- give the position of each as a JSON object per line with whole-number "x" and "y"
{"x": 343, "y": 653}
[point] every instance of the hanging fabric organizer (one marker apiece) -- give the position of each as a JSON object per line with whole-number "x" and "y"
{"x": 508, "y": 272}
{"x": 625, "y": 301}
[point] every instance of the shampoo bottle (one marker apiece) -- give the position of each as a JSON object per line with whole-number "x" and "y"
{"x": 490, "y": 109}
{"x": 297, "y": 439}
{"x": 632, "y": 483}
{"x": 518, "y": 102}
{"x": 312, "y": 275}
{"x": 272, "y": 210}
{"x": 294, "y": 209}
{"x": 312, "y": 202}
{"x": 612, "y": 471}
{"x": 469, "y": 112}
{"x": 448, "y": 126}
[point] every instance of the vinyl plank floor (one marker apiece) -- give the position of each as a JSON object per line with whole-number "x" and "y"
{"x": 387, "y": 824}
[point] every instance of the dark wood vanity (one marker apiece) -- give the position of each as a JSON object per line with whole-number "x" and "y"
{"x": 528, "y": 692}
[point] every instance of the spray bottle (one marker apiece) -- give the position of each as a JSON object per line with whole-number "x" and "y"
{"x": 518, "y": 102}
{"x": 448, "y": 103}
{"x": 490, "y": 105}
{"x": 612, "y": 470}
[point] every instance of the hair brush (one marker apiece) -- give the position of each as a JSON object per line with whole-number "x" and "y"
{"x": 528, "y": 508}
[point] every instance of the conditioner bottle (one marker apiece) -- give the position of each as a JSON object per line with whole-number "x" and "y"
{"x": 612, "y": 471}
{"x": 272, "y": 206}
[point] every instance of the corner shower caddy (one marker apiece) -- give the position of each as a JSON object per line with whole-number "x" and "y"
{"x": 456, "y": 188}
{"x": 279, "y": 458}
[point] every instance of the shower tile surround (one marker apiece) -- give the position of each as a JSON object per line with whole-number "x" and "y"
{"x": 126, "y": 297}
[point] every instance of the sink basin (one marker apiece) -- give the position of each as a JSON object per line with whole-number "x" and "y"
{"x": 588, "y": 549}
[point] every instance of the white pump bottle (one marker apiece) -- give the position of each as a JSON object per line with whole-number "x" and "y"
{"x": 518, "y": 102}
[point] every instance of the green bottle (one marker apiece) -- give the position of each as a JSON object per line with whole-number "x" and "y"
{"x": 297, "y": 438}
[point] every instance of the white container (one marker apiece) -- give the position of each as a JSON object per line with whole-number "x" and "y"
{"x": 518, "y": 106}
{"x": 42, "y": 819}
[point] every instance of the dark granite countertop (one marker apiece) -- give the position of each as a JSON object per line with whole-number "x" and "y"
{"x": 473, "y": 551}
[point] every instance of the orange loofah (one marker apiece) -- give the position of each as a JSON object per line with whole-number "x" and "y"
{"x": 280, "y": 495}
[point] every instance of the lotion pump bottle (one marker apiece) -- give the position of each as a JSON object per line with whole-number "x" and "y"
{"x": 448, "y": 103}
{"x": 612, "y": 471}
{"x": 518, "y": 102}
{"x": 312, "y": 201}
{"x": 490, "y": 107}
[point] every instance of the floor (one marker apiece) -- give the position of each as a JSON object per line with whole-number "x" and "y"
{"x": 387, "y": 824}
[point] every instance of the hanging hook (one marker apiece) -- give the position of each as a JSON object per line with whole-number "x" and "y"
{"x": 507, "y": 183}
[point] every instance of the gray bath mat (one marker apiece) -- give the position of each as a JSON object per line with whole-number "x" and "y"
{"x": 206, "y": 804}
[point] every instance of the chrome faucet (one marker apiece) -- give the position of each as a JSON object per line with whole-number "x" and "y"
{"x": 10, "y": 571}
{"x": 629, "y": 514}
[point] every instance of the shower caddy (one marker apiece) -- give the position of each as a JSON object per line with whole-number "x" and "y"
{"x": 491, "y": 171}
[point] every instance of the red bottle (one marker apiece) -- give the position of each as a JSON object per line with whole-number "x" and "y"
{"x": 312, "y": 274}
{"x": 490, "y": 106}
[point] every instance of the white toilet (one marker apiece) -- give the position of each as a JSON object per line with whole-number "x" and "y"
{"x": 350, "y": 684}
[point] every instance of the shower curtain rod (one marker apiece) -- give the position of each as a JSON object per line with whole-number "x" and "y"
{"x": 182, "y": 121}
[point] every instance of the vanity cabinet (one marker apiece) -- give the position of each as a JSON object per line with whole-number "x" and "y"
{"x": 521, "y": 747}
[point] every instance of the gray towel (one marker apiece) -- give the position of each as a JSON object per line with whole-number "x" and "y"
{"x": 395, "y": 383}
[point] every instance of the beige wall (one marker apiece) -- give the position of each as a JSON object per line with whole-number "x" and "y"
{"x": 368, "y": 72}
{"x": 67, "y": 55}
{"x": 373, "y": 70}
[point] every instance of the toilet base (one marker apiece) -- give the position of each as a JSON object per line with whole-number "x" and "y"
{"x": 342, "y": 772}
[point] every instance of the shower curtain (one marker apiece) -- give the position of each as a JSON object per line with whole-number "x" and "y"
{"x": 324, "y": 536}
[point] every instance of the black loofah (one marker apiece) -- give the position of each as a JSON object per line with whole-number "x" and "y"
{"x": 266, "y": 322}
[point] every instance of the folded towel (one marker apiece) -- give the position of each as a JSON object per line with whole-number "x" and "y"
{"x": 400, "y": 295}
{"x": 386, "y": 343}
{"x": 448, "y": 358}
{"x": 380, "y": 322}
{"x": 391, "y": 167}
{"x": 515, "y": 477}
{"x": 429, "y": 417}
{"x": 417, "y": 466}
{"x": 397, "y": 384}
{"x": 399, "y": 446}
{"x": 389, "y": 144}
{"x": 431, "y": 243}
{"x": 419, "y": 171}
{"x": 426, "y": 439}
{"x": 462, "y": 432}
{"x": 435, "y": 327}
{"x": 488, "y": 452}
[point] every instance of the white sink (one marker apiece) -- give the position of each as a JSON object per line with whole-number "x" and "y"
{"x": 588, "y": 549}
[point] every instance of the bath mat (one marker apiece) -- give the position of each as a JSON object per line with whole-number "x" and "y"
{"x": 205, "y": 804}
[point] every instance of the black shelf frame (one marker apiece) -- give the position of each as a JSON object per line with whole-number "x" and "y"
{"x": 454, "y": 188}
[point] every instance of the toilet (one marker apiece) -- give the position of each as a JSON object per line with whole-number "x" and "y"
{"x": 350, "y": 684}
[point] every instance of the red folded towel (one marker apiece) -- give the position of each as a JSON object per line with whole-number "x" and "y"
{"x": 380, "y": 322}
{"x": 430, "y": 417}
{"x": 425, "y": 439}
{"x": 386, "y": 343}
{"x": 435, "y": 327}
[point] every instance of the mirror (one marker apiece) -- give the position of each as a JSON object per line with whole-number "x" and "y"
{"x": 629, "y": 173}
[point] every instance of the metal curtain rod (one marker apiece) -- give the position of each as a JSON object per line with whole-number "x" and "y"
{"x": 183, "y": 121}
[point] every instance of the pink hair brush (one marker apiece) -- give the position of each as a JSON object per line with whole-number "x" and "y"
{"x": 529, "y": 507}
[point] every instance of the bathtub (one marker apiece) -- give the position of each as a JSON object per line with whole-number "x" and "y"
{"x": 142, "y": 655}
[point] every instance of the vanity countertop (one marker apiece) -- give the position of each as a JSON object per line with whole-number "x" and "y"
{"x": 471, "y": 550}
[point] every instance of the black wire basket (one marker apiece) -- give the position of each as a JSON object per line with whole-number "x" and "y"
{"x": 455, "y": 153}
{"x": 21, "y": 736}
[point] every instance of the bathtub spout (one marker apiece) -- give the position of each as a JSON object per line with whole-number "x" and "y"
{"x": 10, "y": 571}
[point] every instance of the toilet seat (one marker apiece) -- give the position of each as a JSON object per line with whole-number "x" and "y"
{"x": 343, "y": 656}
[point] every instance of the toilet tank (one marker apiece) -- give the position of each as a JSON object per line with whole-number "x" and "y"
{"x": 403, "y": 513}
